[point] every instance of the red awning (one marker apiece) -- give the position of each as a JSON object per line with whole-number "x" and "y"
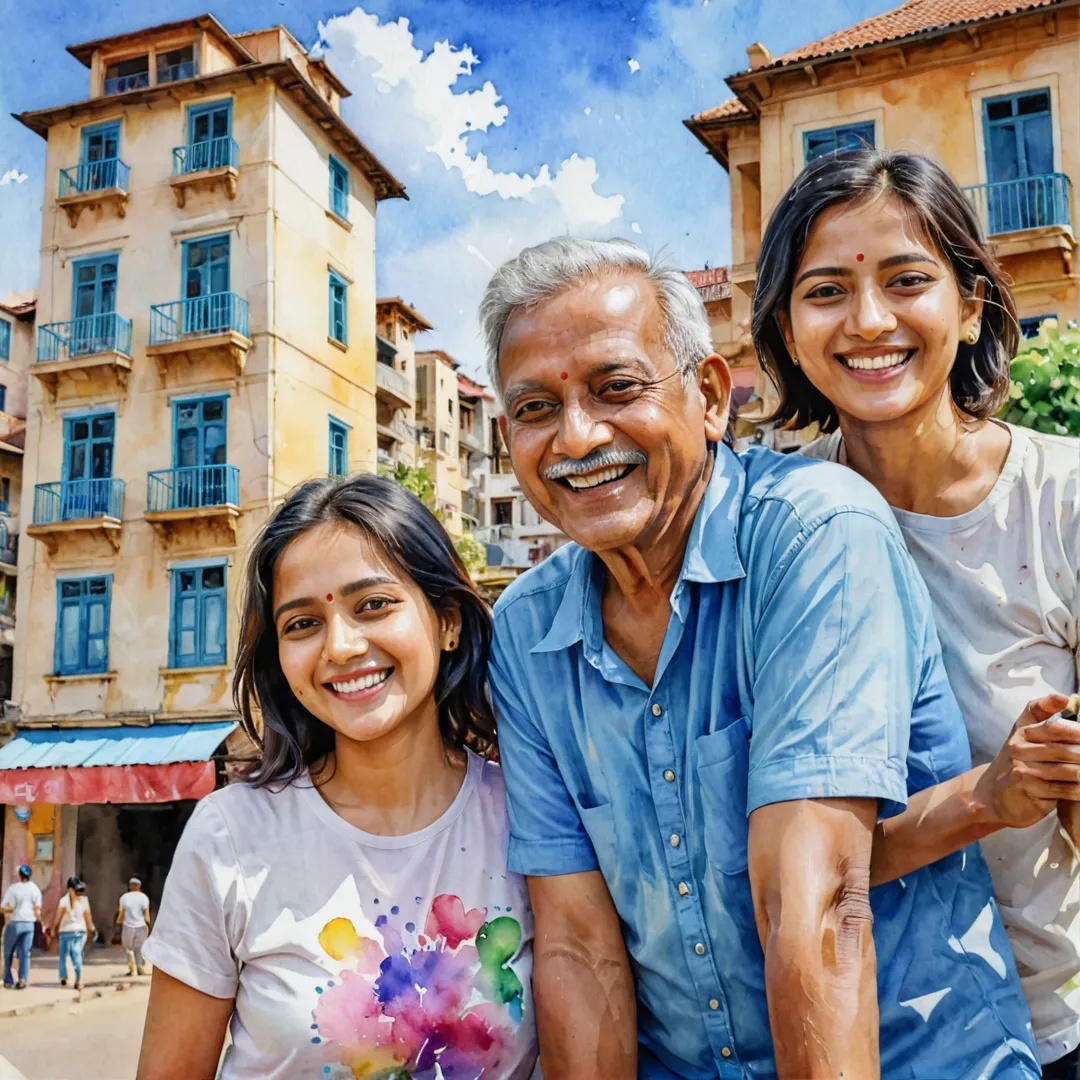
{"x": 74, "y": 785}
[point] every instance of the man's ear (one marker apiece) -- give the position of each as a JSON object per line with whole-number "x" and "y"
{"x": 714, "y": 382}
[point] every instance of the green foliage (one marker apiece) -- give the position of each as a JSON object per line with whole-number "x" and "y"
{"x": 1045, "y": 391}
{"x": 414, "y": 478}
{"x": 473, "y": 553}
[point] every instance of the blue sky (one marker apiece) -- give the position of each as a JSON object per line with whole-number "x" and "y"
{"x": 508, "y": 120}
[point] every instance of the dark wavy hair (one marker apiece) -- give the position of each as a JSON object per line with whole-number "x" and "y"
{"x": 290, "y": 738}
{"x": 980, "y": 376}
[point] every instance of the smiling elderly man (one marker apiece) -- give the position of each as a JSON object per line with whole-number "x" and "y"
{"x": 729, "y": 638}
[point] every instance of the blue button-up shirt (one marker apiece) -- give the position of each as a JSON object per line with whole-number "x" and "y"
{"x": 800, "y": 662}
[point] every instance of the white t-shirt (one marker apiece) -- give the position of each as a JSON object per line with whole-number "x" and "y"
{"x": 23, "y": 896}
{"x": 348, "y": 951}
{"x": 73, "y": 916}
{"x": 134, "y": 905}
{"x": 1004, "y": 579}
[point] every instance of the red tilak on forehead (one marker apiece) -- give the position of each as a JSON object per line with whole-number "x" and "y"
{"x": 860, "y": 257}
{"x": 329, "y": 597}
{"x": 564, "y": 376}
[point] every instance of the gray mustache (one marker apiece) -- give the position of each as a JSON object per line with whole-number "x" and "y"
{"x": 597, "y": 459}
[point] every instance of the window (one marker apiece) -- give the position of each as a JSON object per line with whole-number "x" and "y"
{"x": 5, "y": 340}
{"x": 833, "y": 140}
{"x": 200, "y": 445}
{"x": 339, "y": 188}
{"x": 208, "y": 307}
{"x": 502, "y": 511}
{"x": 339, "y": 328}
{"x": 339, "y": 448}
{"x": 197, "y": 637}
{"x": 178, "y": 64}
{"x": 93, "y": 304}
{"x": 127, "y": 75}
{"x": 1029, "y": 327}
{"x": 5, "y": 499}
{"x": 82, "y": 625}
{"x": 99, "y": 157}
{"x": 86, "y": 491}
{"x": 209, "y": 141}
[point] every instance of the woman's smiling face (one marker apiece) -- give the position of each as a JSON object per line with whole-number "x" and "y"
{"x": 876, "y": 317}
{"x": 358, "y": 640}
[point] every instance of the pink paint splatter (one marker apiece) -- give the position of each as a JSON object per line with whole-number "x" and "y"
{"x": 448, "y": 919}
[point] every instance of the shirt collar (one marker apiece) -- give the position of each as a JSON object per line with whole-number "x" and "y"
{"x": 712, "y": 556}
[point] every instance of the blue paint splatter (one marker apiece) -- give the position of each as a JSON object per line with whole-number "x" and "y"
{"x": 376, "y": 900}
{"x": 316, "y": 1039}
{"x": 497, "y": 908}
{"x": 419, "y": 898}
{"x": 314, "y": 1027}
{"x": 509, "y": 908}
{"x": 381, "y": 920}
{"x": 394, "y": 910}
{"x": 462, "y": 849}
{"x": 318, "y": 989}
{"x": 410, "y": 926}
{"x": 329, "y": 982}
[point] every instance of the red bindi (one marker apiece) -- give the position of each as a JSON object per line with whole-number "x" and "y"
{"x": 564, "y": 376}
{"x": 329, "y": 597}
{"x": 860, "y": 257}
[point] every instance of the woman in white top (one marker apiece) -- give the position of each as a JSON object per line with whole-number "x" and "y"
{"x": 882, "y": 315}
{"x": 72, "y": 923}
{"x": 347, "y": 911}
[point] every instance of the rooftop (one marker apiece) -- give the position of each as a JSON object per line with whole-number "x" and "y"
{"x": 84, "y": 53}
{"x": 20, "y": 305}
{"x": 468, "y": 388}
{"x": 712, "y": 283}
{"x": 396, "y": 304}
{"x": 443, "y": 357}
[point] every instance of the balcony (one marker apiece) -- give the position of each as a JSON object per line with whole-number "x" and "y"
{"x": 397, "y": 430}
{"x": 201, "y": 330}
{"x": 1030, "y": 214}
{"x": 393, "y": 386}
{"x": 471, "y": 441}
{"x": 121, "y": 84}
{"x": 205, "y": 163}
{"x": 92, "y": 349}
{"x": 190, "y": 500}
{"x": 93, "y": 183}
{"x": 78, "y": 507}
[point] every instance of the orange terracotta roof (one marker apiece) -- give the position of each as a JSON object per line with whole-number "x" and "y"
{"x": 468, "y": 388}
{"x": 907, "y": 20}
{"x": 395, "y": 303}
{"x": 441, "y": 356}
{"x": 731, "y": 109}
{"x": 711, "y": 284}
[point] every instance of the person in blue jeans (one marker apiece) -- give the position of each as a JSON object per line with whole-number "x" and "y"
{"x": 72, "y": 923}
{"x": 738, "y": 781}
{"x": 21, "y": 907}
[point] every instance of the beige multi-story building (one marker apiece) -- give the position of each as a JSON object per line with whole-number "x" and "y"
{"x": 437, "y": 433}
{"x": 477, "y": 427}
{"x": 206, "y": 340}
{"x": 989, "y": 88}
{"x": 395, "y": 380}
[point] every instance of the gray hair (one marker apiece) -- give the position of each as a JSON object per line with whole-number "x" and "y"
{"x": 548, "y": 269}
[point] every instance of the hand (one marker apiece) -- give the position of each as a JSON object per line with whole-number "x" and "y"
{"x": 1038, "y": 765}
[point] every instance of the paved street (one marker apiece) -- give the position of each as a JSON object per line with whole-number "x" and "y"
{"x": 96, "y": 1039}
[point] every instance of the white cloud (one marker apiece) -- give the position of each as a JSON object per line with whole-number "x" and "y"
{"x": 449, "y": 117}
{"x": 635, "y": 226}
{"x": 634, "y": 66}
{"x": 13, "y": 176}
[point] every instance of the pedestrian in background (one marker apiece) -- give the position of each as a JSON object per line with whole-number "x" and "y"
{"x": 134, "y": 918}
{"x": 21, "y": 907}
{"x": 72, "y": 923}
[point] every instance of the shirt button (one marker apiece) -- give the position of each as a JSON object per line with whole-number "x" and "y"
{"x": 669, "y": 776}
{"x": 699, "y": 949}
{"x": 657, "y": 711}
{"x": 673, "y": 839}
{"x": 725, "y": 1051}
{"x": 684, "y": 889}
{"x": 714, "y": 1004}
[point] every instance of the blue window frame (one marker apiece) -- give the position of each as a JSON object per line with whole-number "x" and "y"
{"x": 200, "y": 448}
{"x": 339, "y": 448}
{"x": 209, "y": 136}
{"x": 339, "y": 188}
{"x": 1029, "y": 327}
{"x": 82, "y": 625}
{"x": 5, "y": 340}
{"x": 197, "y": 626}
{"x": 93, "y": 304}
{"x": 1019, "y": 136}
{"x": 204, "y": 270}
{"x": 833, "y": 140}
{"x": 5, "y": 499}
{"x": 339, "y": 325}
{"x": 99, "y": 156}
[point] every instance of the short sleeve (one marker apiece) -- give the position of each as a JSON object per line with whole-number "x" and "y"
{"x": 840, "y": 630}
{"x": 203, "y": 908}
{"x": 547, "y": 836}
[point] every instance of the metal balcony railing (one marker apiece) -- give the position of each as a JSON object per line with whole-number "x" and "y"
{"x": 200, "y": 316}
{"x": 167, "y": 73}
{"x": 393, "y": 381}
{"x": 207, "y": 154}
{"x": 74, "y": 500}
{"x": 1033, "y": 202}
{"x": 120, "y": 84}
{"x": 192, "y": 487}
{"x": 90, "y": 176}
{"x": 86, "y": 336}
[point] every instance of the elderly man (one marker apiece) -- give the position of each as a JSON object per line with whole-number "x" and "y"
{"x": 705, "y": 703}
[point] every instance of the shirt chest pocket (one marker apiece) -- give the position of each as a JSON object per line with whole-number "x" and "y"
{"x": 723, "y": 762}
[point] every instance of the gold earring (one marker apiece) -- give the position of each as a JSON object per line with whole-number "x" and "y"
{"x": 451, "y": 644}
{"x": 973, "y": 334}
{"x": 795, "y": 360}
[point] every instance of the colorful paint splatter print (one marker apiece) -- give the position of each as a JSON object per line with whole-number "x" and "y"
{"x": 444, "y": 1004}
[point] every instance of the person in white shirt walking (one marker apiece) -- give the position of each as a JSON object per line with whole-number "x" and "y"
{"x": 72, "y": 923}
{"x": 134, "y": 918}
{"x": 22, "y": 908}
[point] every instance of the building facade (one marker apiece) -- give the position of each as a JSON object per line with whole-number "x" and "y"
{"x": 437, "y": 433}
{"x": 206, "y": 341}
{"x": 395, "y": 381}
{"x": 990, "y": 89}
{"x": 476, "y": 428}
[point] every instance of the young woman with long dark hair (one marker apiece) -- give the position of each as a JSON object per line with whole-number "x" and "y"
{"x": 882, "y": 314}
{"x": 347, "y": 911}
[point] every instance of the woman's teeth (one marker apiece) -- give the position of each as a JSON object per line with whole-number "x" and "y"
{"x": 602, "y": 476}
{"x": 873, "y": 363}
{"x": 365, "y": 682}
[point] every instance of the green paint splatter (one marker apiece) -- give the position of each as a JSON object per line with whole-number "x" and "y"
{"x": 497, "y": 942}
